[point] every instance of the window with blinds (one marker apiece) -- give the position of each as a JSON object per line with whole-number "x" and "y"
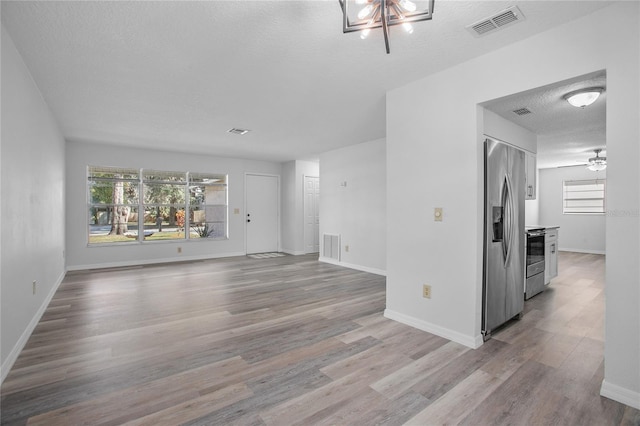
{"x": 583, "y": 196}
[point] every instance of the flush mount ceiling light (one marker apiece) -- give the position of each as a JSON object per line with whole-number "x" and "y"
{"x": 597, "y": 163}
{"x": 583, "y": 97}
{"x": 365, "y": 15}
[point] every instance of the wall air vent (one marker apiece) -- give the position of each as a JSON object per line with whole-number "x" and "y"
{"x": 236, "y": 131}
{"x": 331, "y": 246}
{"x": 522, "y": 111}
{"x": 500, "y": 20}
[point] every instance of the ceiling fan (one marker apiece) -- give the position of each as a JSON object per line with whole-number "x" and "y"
{"x": 597, "y": 163}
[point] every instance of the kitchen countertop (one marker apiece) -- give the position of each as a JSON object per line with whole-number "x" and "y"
{"x": 541, "y": 226}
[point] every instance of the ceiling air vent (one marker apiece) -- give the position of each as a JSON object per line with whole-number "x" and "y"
{"x": 237, "y": 131}
{"x": 501, "y": 19}
{"x": 522, "y": 111}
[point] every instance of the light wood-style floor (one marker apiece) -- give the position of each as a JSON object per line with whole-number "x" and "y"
{"x": 289, "y": 340}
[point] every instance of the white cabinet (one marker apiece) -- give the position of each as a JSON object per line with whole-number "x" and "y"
{"x": 530, "y": 176}
{"x": 550, "y": 254}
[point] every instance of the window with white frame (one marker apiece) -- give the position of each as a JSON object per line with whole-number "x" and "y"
{"x": 585, "y": 196}
{"x": 208, "y": 205}
{"x": 113, "y": 204}
{"x": 128, "y": 205}
{"x": 164, "y": 206}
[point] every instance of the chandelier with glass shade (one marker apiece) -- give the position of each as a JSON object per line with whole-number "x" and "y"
{"x": 365, "y": 15}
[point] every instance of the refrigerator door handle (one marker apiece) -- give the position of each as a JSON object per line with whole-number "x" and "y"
{"x": 509, "y": 219}
{"x": 505, "y": 225}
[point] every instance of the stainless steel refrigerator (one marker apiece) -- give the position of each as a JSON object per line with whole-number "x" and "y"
{"x": 504, "y": 237}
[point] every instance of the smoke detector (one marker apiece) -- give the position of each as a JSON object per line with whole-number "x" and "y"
{"x": 497, "y": 21}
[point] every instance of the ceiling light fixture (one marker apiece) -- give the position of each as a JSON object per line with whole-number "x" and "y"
{"x": 583, "y": 97}
{"x": 382, "y": 14}
{"x": 597, "y": 163}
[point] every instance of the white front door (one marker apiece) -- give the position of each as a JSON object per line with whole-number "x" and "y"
{"x": 311, "y": 214}
{"x": 262, "y": 213}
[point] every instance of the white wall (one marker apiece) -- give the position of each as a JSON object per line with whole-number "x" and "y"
{"x": 622, "y": 325}
{"x": 80, "y": 155}
{"x": 507, "y": 131}
{"x": 532, "y": 207}
{"x": 33, "y": 209}
{"x": 437, "y": 117}
{"x": 357, "y": 211}
{"x": 578, "y": 232}
{"x": 293, "y": 173}
{"x": 288, "y": 208}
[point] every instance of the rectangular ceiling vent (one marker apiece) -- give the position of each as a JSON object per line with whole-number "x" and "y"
{"x": 522, "y": 111}
{"x": 237, "y": 131}
{"x": 500, "y": 20}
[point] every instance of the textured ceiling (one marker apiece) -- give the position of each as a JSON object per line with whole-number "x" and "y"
{"x": 178, "y": 75}
{"x": 566, "y": 135}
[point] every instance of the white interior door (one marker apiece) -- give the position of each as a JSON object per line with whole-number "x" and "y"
{"x": 262, "y": 213}
{"x": 311, "y": 214}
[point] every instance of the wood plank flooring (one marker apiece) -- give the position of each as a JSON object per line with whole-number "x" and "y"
{"x": 291, "y": 341}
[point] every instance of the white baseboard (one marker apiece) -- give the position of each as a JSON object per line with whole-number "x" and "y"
{"x": 620, "y": 394}
{"x": 150, "y": 261}
{"x": 22, "y": 341}
{"x": 294, "y": 252}
{"x": 463, "y": 339}
{"x": 582, "y": 250}
{"x": 353, "y": 266}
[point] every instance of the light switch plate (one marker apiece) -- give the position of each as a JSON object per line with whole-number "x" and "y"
{"x": 437, "y": 214}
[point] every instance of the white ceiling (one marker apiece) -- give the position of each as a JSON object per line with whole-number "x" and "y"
{"x": 178, "y": 75}
{"x": 567, "y": 136}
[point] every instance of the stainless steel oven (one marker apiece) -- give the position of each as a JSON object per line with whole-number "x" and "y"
{"x": 534, "y": 282}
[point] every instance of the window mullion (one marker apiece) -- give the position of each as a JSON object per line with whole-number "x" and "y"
{"x": 141, "y": 210}
{"x": 187, "y": 210}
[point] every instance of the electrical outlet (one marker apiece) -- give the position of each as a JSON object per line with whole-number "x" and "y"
{"x": 346, "y": 248}
{"x": 426, "y": 291}
{"x": 179, "y": 249}
{"x": 437, "y": 214}
{"x": 34, "y": 286}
